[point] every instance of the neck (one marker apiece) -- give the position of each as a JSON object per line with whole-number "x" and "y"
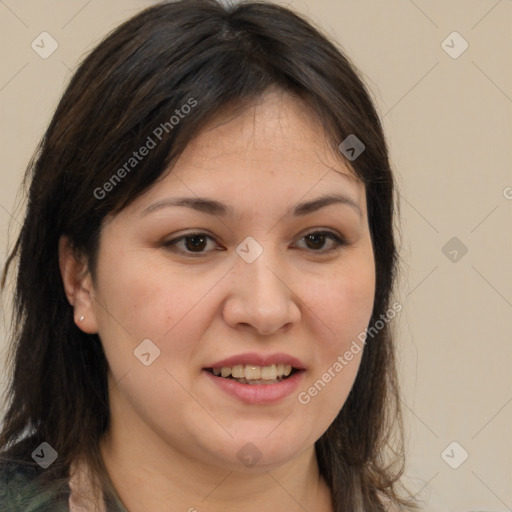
{"x": 149, "y": 474}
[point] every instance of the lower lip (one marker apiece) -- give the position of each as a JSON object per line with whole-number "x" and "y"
{"x": 258, "y": 394}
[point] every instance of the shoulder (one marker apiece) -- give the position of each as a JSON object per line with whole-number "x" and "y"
{"x": 20, "y": 492}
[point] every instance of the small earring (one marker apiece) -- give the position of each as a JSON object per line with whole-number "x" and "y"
{"x": 82, "y": 318}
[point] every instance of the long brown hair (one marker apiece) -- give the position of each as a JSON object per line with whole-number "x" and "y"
{"x": 133, "y": 82}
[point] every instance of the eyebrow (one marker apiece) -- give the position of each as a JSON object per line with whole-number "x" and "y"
{"x": 213, "y": 207}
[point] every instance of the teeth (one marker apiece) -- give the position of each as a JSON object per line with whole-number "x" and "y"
{"x": 269, "y": 372}
{"x": 238, "y": 371}
{"x": 252, "y": 372}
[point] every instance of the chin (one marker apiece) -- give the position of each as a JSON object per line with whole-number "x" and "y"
{"x": 259, "y": 454}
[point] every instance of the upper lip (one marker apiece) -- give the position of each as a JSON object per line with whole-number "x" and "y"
{"x": 253, "y": 358}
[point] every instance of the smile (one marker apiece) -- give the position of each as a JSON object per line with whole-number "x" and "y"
{"x": 256, "y": 378}
{"x": 252, "y": 374}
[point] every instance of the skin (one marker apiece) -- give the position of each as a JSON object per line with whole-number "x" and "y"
{"x": 175, "y": 435}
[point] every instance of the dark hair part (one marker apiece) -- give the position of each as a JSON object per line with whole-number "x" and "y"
{"x": 170, "y": 55}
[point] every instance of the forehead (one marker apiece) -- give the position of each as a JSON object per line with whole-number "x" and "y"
{"x": 271, "y": 127}
{"x": 274, "y": 150}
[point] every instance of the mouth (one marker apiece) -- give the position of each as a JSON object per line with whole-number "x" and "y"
{"x": 253, "y": 374}
{"x": 256, "y": 378}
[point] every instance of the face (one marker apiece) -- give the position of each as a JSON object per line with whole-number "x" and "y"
{"x": 256, "y": 274}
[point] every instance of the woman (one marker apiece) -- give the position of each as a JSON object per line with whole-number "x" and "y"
{"x": 204, "y": 278}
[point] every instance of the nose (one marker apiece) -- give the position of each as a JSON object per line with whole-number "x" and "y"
{"x": 261, "y": 297}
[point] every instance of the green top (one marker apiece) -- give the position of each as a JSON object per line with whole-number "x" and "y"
{"x": 20, "y": 493}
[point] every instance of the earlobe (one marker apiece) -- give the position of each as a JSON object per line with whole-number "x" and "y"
{"x": 77, "y": 286}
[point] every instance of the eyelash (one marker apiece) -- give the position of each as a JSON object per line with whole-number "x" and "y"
{"x": 172, "y": 244}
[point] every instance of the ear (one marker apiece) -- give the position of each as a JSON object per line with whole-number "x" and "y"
{"x": 78, "y": 286}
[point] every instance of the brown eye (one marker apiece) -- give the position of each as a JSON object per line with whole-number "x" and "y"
{"x": 194, "y": 244}
{"x": 317, "y": 239}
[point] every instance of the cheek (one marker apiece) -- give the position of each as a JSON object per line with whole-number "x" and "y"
{"x": 344, "y": 304}
{"x": 151, "y": 301}
{"x": 341, "y": 309}
{"x": 140, "y": 297}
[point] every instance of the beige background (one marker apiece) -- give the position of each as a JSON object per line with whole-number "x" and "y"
{"x": 449, "y": 126}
